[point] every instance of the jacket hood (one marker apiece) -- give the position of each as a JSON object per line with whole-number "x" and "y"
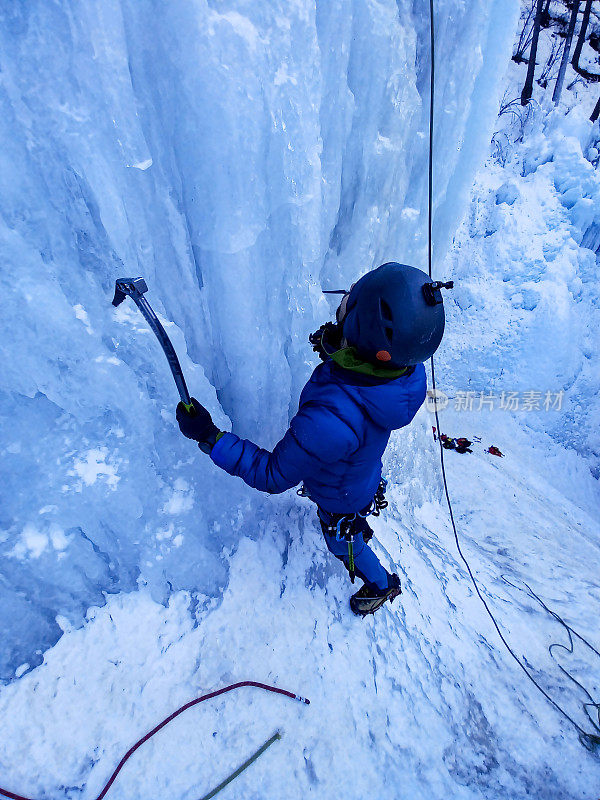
{"x": 387, "y": 402}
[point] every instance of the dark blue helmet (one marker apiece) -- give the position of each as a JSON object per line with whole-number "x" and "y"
{"x": 394, "y": 316}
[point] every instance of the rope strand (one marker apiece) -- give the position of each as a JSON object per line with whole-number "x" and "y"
{"x": 590, "y": 740}
{"x": 170, "y": 718}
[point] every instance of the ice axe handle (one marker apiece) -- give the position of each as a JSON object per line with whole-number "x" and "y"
{"x": 136, "y": 288}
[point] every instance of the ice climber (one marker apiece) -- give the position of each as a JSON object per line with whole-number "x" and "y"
{"x": 372, "y": 382}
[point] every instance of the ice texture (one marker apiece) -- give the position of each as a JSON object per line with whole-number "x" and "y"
{"x": 242, "y": 156}
{"x": 239, "y": 156}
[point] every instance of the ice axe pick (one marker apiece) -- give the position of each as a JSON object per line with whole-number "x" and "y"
{"x": 136, "y": 288}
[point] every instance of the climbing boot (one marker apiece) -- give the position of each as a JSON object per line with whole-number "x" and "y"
{"x": 369, "y": 598}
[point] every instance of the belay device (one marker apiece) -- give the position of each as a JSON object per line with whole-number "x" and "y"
{"x": 136, "y": 288}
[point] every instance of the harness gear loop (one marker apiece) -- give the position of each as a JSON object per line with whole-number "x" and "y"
{"x": 379, "y": 501}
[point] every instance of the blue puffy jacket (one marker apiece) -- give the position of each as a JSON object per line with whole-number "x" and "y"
{"x": 336, "y": 440}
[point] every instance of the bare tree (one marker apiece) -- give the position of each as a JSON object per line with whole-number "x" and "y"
{"x": 545, "y": 20}
{"x": 596, "y": 111}
{"x": 591, "y": 76}
{"x": 528, "y": 87}
{"x": 566, "y": 52}
{"x": 582, "y": 33}
{"x": 548, "y": 69}
{"x": 525, "y": 35}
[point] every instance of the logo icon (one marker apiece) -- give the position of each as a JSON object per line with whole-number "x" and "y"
{"x": 436, "y": 400}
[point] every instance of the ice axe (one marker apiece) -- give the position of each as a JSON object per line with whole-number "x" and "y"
{"x": 136, "y": 288}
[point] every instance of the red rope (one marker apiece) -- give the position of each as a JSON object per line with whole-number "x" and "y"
{"x": 150, "y": 734}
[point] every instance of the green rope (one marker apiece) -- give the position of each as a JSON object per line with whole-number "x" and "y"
{"x": 244, "y": 766}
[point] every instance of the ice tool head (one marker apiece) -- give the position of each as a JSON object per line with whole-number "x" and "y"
{"x": 133, "y": 287}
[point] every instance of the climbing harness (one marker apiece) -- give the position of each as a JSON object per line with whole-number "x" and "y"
{"x": 379, "y": 501}
{"x": 170, "y": 718}
{"x": 589, "y": 740}
{"x": 342, "y": 526}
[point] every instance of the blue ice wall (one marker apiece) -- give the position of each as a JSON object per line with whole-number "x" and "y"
{"x": 240, "y": 155}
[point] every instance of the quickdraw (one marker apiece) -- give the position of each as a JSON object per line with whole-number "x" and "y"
{"x": 379, "y": 501}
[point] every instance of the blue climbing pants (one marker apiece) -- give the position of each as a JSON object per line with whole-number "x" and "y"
{"x": 366, "y": 563}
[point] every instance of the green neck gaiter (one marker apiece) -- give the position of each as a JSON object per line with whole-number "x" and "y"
{"x": 348, "y": 358}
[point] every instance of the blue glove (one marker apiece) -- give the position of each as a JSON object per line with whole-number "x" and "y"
{"x": 198, "y": 425}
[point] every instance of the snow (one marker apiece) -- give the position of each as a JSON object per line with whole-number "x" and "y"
{"x": 92, "y": 466}
{"x": 143, "y": 165}
{"x": 420, "y": 697}
{"x": 32, "y": 542}
{"x": 21, "y": 670}
{"x": 82, "y": 315}
{"x": 288, "y": 146}
{"x": 525, "y": 259}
